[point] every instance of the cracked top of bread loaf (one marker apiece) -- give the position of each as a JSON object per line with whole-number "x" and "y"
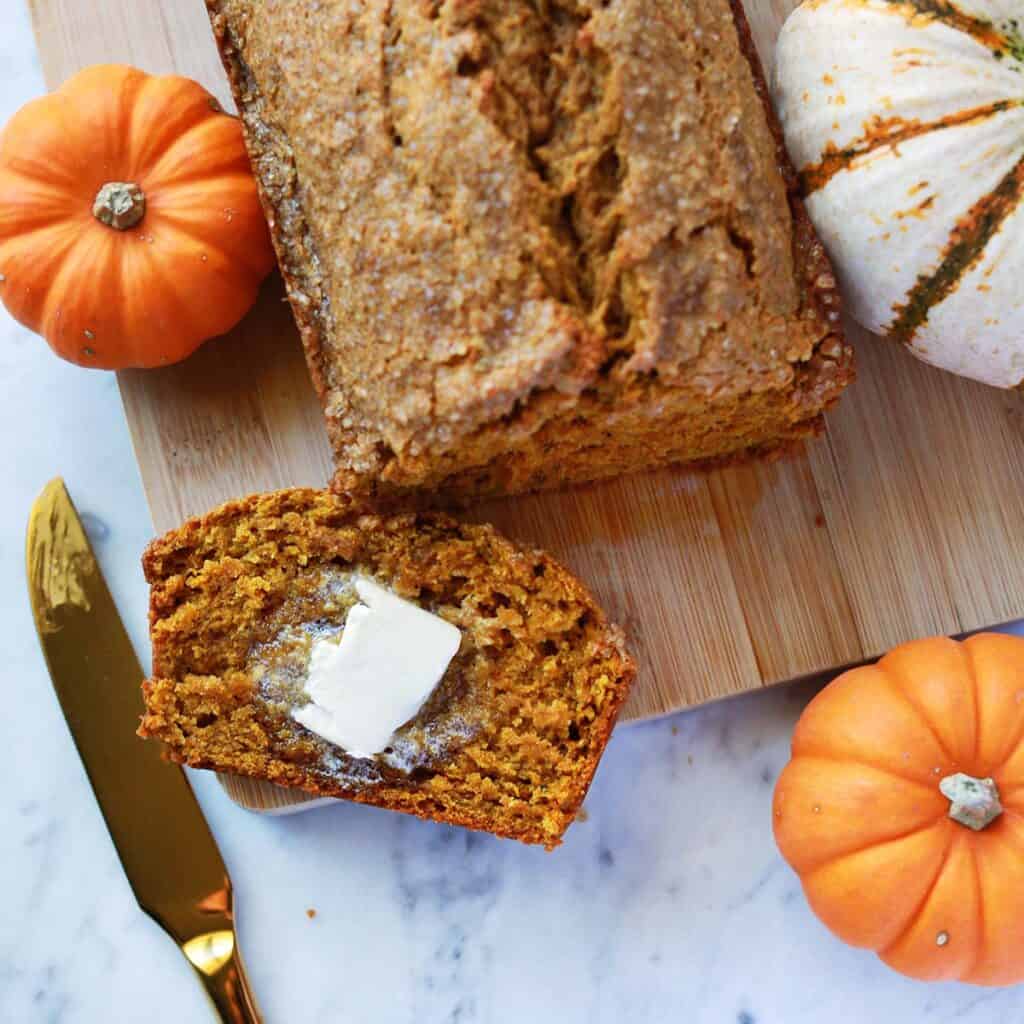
{"x": 487, "y": 206}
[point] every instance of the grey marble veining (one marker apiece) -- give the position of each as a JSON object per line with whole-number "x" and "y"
{"x": 668, "y": 903}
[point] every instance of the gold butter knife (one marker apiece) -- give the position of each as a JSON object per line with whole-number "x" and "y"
{"x": 165, "y": 846}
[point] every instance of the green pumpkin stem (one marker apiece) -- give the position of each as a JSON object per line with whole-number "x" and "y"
{"x": 120, "y": 205}
{"x": 973, "y": 802}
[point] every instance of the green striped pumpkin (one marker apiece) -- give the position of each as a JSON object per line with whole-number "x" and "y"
{"x": 905, "y": 119}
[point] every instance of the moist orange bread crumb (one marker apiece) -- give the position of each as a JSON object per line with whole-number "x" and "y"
{"x": 507, "y": 743}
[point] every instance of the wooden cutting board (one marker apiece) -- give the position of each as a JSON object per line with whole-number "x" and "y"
{"x": 904, "y": 519}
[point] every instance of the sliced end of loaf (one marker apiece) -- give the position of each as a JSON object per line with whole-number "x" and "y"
{"x": 507, "y": 744}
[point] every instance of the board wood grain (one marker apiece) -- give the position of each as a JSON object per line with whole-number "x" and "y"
{"x": 903, "y": 520}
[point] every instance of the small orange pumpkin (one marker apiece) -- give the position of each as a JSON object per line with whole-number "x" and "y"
{"x": 902, "y": 809}
{"x": 130, "y": 225}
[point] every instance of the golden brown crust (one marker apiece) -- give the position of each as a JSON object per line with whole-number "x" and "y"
{"x": 295, "y": 280}
{"x": 527, "y": 707}
{"x": 822, "y": 286}
{"x": 630, "y": 316}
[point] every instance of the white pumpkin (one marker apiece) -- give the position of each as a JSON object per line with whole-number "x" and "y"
{"x": 905, "y": 119}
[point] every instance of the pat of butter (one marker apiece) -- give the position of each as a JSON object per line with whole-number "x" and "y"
{"x": 391, "y": 656}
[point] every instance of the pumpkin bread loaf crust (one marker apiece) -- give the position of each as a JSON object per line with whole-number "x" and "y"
{"x": 530, "y": 243}
{"x": 507, "y": 743}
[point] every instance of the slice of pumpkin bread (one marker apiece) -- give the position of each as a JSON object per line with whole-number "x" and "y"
{"x": 507, "y": 741}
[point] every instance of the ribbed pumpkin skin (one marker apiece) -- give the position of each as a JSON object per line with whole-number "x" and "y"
{"x": 859, "y": 816}
{"x": 149, "y": 295}
{"x": 905, "y": 119}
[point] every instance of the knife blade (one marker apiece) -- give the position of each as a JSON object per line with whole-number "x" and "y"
{"x": 165, "y": 846}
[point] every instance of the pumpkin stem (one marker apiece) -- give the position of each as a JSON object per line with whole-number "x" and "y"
{"x": 120, "y": 205}
{"x": 972, "y": 802}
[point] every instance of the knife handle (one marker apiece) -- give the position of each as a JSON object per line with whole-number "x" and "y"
{"x": 218, "y": 962}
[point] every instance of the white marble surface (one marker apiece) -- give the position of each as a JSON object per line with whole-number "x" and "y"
{"x": 669, "y": 903}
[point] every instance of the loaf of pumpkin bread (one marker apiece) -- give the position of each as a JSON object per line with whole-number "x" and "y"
{"x": 243, "y": 600}
{"x": 531, "y": 242}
